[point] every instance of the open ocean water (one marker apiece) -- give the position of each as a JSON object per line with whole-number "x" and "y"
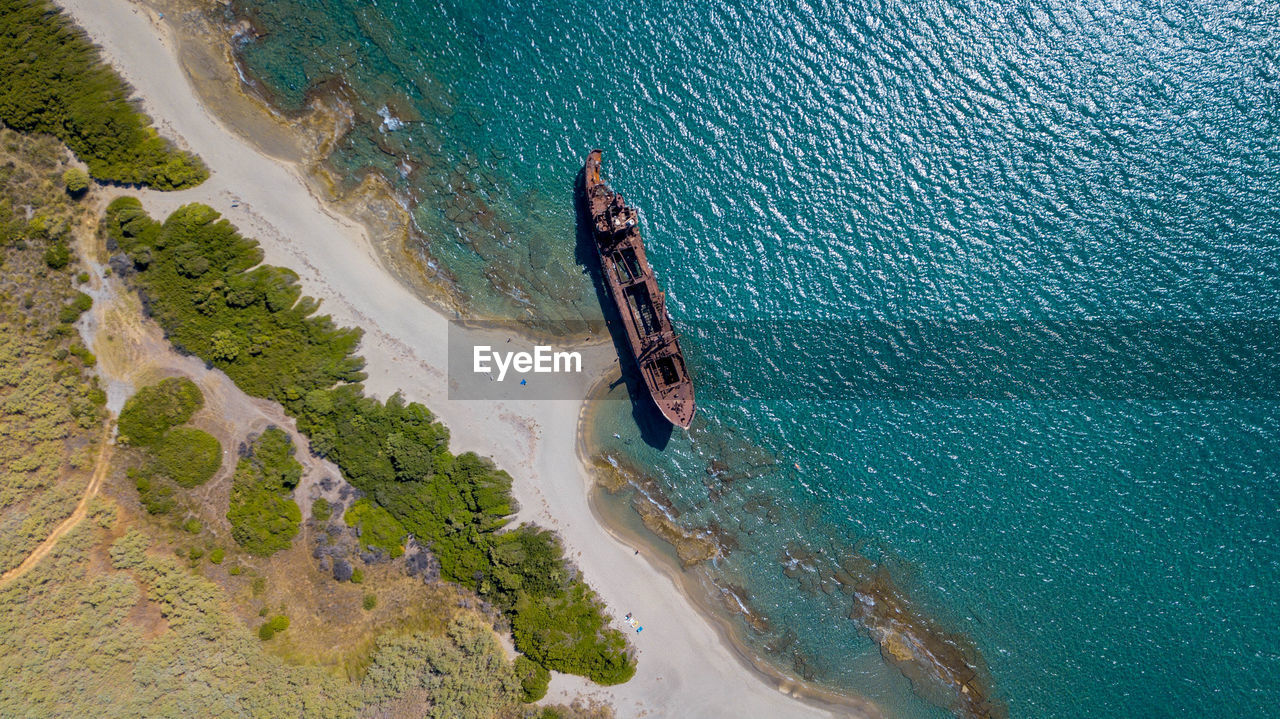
{"x": 1043, "y": 173}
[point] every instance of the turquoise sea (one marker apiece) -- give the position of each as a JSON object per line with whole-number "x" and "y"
{"x": 1052, "y": 170}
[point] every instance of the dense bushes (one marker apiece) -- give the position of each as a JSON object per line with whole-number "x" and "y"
{"x": 51, "y": 80}
{"x": 376, "y": 526}
{"x": 566, "y": 629}
{"x": 154, "y": 409}
{"x": 78, "y": 305}
{"x": 253, "y": 324}
{"x": 184, "y": 456}
{"x": 188, "y": 456}
{"x": 534, "y": 678}
{"x": 263, "y": 518}
{"x": 76, "y": 181}
{"x": 466, "y": 676}
{"x": 399, "y": 455}
{"x": 155, "y": 494}
{"x": 57, "y": 255}
{"x": 203, "y": 284}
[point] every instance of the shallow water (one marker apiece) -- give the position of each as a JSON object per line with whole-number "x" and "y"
{"x": 1044, "y": 164}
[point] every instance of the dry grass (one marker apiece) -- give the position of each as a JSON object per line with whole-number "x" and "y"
{"x": 48, "y": 424}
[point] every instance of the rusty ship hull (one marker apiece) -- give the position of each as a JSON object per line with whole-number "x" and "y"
{"x": 615, "y": 231}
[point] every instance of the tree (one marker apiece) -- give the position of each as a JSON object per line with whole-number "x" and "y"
{"x": 52, "y": 80}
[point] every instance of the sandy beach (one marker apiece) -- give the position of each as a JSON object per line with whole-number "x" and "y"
{"x": 686, "y": 667}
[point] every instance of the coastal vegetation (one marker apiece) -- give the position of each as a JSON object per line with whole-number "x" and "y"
{"x": 172, "y": 456}
{"x": 142, "y": 634}
{"x": 273, "y": 626}
{"x": 51, "y": 410}
{"x": 76, "y": 181}
{"x": 264, "y": 518}
{"x": 52, "y": 81}
{"x": 466, "y": 674}
{"x": 377, "y": 528}
{"x": 534, "y": 678}
{"x": 188, "y": 456}
{"x": 204, "y": 284}
{"x": 154, "y": 409}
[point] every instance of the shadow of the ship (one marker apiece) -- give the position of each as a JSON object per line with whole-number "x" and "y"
{"x": 655, "y": 430}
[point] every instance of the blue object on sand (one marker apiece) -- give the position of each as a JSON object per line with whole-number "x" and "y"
{"x": 521, "y": 381}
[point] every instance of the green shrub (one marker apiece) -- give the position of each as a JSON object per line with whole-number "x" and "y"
{"x": 83, "y": 354}
{"x": 534, "y": 678}
{"x": 370, "y": 601}
{"x": 569, "y": 633}
{"x": 156, "y": 496}
{"x": 57, "y": 255}
{"x": 52, "y": 81}
{"x": 76, "y": 181}
{"x": 321, "y": 509}
{"x": 195, "y": 554}
{"x": 154, "y": 409}
{"x": 78, "y": 306}
{"x": 273, "y": 627}
{"x": 357, "y": 576}
{"x": 82, "y": 278}
{"x": 236, "y": 571}
{"x": 188, "y": 456}
{"x": 376, "y": 526}
{"x": 217, "y": 555}
{"x": 263, "y": 517}
{"x": 192, "y": 526}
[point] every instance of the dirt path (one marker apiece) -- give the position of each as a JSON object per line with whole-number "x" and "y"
{"x": 99, "y": 473}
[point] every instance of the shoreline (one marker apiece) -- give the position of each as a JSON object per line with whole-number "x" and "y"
{"x": 701, "y": 670}
{"x": 694, "y": 583}
{"x": 302, "y": 140}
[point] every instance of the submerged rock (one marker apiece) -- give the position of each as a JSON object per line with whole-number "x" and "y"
{"x": 691, "y": 547}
